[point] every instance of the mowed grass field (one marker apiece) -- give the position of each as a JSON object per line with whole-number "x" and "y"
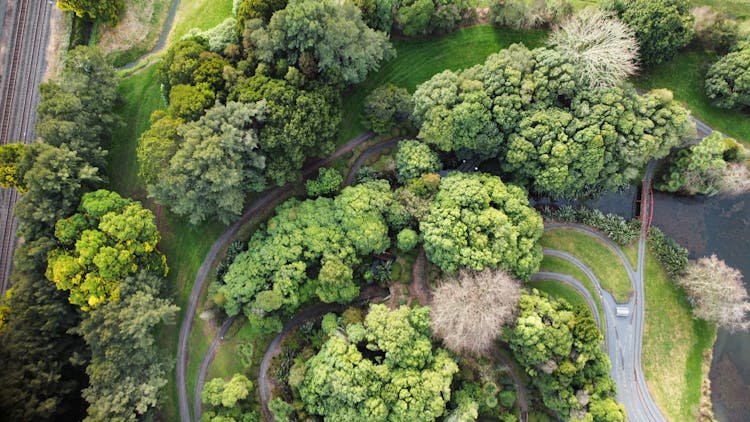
{"x": 596, "y": 255}
{"x": 673, "y": 346}
{"x": 418, "y": 60}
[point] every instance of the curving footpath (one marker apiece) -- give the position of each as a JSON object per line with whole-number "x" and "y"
{"x": 203, "y": 369}
{"x": 260, "y": 208}
{"x": 573, "y": 282}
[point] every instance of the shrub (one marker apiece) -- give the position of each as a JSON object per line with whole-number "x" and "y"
{"x": 407, "y": 239}
{"x": 414, "y": 159}
{"x": 728, "y": 80}
{"x": 662, "y": 27}
{"x": 603, "y": 49}
{"x": 620, "y": 230}
{"x": 714, "y": 30}
{"x": 672, "y": 257}
{"x": 519, "y": 14}
{"x": 328, "y": 182}
{"x": 387, "y": 107}
{"x": 698, "y": 169}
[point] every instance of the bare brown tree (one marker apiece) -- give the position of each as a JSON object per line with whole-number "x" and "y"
{"x": 470, "y": 308}
{"x": 603, "y": 48}
{"x": 717, "y": 293}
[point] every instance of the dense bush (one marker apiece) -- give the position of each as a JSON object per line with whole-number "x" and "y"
{"x": 728, "y": 80}
{"x": 407, "y": 239}
{"x": 414, "y": 158}
{"x": 698, "y": 169}
{"x": 551, "y": 134}
{"x": 560, "y": 348}
{"x": 382, "y": 369}
{"x": 387, "y": 107}
{"x": 477, "y": 221}
{"x": 621, "y": 231}
{"x": 328, "y": 182}
{"x": 308, "y": 250}
{"x": 672, "y": 257}
{"x": 519, "y": 14}
{"x": 662, "y": 27}
{"x": 421, "y": 17}
{"x": 714, "y": 30}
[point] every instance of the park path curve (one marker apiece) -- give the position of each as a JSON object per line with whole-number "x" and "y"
{"x": 261, "y": 206}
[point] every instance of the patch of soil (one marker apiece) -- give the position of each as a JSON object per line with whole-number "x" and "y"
{"x": 55, "y": 45}
{"x": 134, "y": 28}
{"x": 418, "y": 289}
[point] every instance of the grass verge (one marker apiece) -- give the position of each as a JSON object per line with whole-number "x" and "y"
{"x": 563, "y": 291}
{"x": 673, "y": 346}
{"x": 597, "y": 256}
{"x": 418, "y": 60}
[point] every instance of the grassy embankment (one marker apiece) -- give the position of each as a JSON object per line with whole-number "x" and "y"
{"x": 557, "y": 265}
{"x": 563, "y": 291}
{"x": 597, "y": 256}
{"x": 673, "y": 346}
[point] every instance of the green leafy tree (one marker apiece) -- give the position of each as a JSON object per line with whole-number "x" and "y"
{"x": 662, "y": 27}
{"x": 188, "y": 102}
{"x": 401, "y": 377}
{"x": 107, "y": 11}
{"x": 328, "y": 182}
{"x": 54, "y": 178}
{"x": 10, "y": 158}
{"x": 342, "y": 46}
{"x": 125, "y": 361}
{"x": 698, "y": 169}
{"x": 217, "y": 163}
{"x": 477, "y": 221}
{"x": 413, "y": 16}
{"x": 299, "y": 123}
{"x": 157, "y": 145}
{"x": 182, "y": 59}
{"x": 257, "y": 9}
{"x": 107, "y": 240}
{"x": 728, "y": 81}
{"x": 387, "y": 107}
{"x": 228, "y": 400}
{"x": 42, "y": 372}
{"x": 407, "y": 239}
{"x": 77, "y": 109}
{"x": 414, "y": 158}
{"x": 559, "y": 347}
{"x": 377, "y": 14}
{"x": 314, "y": 245}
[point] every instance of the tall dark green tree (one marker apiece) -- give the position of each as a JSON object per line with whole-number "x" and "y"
{"x": 662, "y": 27}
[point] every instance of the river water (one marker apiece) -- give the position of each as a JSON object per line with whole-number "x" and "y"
{"x": 720, "y": 225}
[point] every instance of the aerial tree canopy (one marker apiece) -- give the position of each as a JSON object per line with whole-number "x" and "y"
{"x": 108, "y": 239}
{"x": 550, "y": 132}
{"x": 308, "y": 250}
{"x": 102, "y": 10}
{"x": 558, "y": 346}
{"x": 340, "y": 43}
{"x": 662, "y": 27}
{"x": 728, "y": 80}
{"x": 479, "y": 222}
{"x": 217, "y": 163}
{"x": 382, "y": 369}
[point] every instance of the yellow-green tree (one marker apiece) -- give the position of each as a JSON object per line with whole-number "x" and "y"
{"x": 108, "y": 239}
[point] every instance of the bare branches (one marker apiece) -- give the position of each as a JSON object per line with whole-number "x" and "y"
{"x": 717, "y": 293}
{"x": 603, "y": 48}
{"x": 470, "y": 308}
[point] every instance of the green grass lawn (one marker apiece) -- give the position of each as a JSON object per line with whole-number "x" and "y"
{"x": 563, "y": 291}
{"x": 592, "y": 252}
{"x": 201, "y": 14}
{"x": 685, "y": 76}
{"x": 418, "y": 60}
{"x": 557, "y": 265}
{"x": 673, "y": 346}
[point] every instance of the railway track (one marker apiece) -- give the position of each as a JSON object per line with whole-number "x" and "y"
{"x": 24, "y": 66}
